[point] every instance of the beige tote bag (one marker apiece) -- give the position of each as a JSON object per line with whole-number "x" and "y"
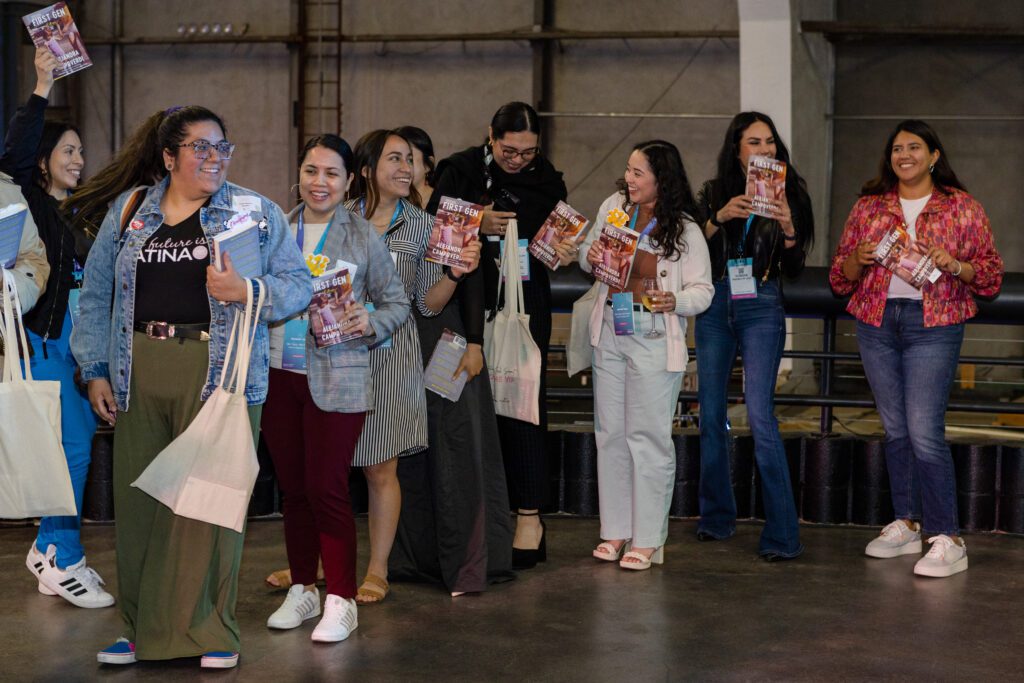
{"x": 513, "y": 357}
{"x": 34, "y": 477}
{"x": 209, "y": 471}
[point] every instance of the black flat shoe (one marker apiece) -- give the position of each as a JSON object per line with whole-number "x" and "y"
{"x": 704, "y": 536}
{"x": 528, "y": 558}
{"x": 775, "y": 557}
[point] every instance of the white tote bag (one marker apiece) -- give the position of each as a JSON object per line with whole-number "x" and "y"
{"x": 209, "y": 471}
{"x": 34, "y": 478}
{"x": 513, "y": 358}
{"x": 579, "y": 353}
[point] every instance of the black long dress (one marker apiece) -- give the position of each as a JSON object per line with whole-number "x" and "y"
{"x": 538, "y": 187}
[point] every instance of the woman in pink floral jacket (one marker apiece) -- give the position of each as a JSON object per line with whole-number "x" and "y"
{"x": 909, "y": 337}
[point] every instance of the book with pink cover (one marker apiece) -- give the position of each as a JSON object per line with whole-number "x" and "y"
{"x": 906, "y": 258}
{"x": 617, "y": 257}
{"x": 766, "y": 184}
{"x": 564, "y": 223}
{"x": 456, "y": 225}
{"x": 54, "y": 29}
{"x": 332, "y": 296}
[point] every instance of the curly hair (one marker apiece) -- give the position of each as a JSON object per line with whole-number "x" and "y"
{"x": 675, "y": 203}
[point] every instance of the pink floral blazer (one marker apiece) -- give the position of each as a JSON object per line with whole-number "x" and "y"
{"x": 954, "y": 221}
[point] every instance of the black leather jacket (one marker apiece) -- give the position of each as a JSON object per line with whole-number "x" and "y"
{"x": 764, "y": 242}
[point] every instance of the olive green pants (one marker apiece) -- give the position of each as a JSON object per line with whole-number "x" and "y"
{"x": 177, "y": 577}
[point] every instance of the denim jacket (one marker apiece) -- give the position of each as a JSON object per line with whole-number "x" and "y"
{"x": 102, "y": 338}
{"x": 339, "y": 375}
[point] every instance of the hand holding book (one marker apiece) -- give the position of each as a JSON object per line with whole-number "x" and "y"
{"x": 225, "y": 285}
{"x": 470, "y": 257}
{"x": 46, "y": 63}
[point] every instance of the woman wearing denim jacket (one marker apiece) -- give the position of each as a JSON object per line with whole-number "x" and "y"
{"x": 177, "y": 577}
{"x": 910, "y": 338}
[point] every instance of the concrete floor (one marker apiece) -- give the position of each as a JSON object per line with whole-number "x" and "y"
{"x": 712, "y": 612}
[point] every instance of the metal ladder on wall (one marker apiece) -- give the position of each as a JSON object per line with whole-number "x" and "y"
{"x": 319, "y": 106}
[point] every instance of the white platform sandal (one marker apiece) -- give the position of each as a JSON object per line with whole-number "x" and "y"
{"x": 641, "y": 560}
{"x": 606, "y": 551}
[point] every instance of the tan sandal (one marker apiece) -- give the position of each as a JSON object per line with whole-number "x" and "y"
{"x": 282, "y": 578}
{"x": 373, "y": 590}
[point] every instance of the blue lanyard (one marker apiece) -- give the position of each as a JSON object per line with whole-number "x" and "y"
{"x": 746, "y": 231}
{"x": 300, "y": 236}
{"x": 650, "y": 225}
{"x": 394, "y": 216}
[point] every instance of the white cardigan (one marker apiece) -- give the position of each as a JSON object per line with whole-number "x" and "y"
{"x": 688, "y": 276}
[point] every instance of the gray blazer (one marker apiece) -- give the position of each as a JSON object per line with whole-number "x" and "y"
{"x": 339, "y": 375}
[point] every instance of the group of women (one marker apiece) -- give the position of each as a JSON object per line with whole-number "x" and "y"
{"x": 443, "y": 475}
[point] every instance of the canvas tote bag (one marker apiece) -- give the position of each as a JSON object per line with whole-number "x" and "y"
{"x": 513, "y": 357}
{"x": 34, "y": 477}
{"x": 579, "y": 353}
{"x": 209, "y": 471}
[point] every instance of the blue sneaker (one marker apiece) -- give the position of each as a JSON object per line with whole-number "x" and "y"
{"x": 121, "y": 652}
{"x": 219, "y": 660}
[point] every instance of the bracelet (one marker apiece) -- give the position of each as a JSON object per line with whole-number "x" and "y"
{"x": 454, "y": 278}
{"x": 713, "y": 219}
{"x": 959, "y": 269}
{"x": 788, "y": 238}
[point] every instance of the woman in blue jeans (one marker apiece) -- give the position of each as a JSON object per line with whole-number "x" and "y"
{"x": 909, "y": 336}
{"x": 749, "y": 254}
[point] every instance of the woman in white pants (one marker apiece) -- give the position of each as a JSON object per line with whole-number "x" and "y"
{"x": 637, "y": 374}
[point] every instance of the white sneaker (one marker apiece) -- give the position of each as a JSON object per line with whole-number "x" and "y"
{"x": 37, "y": 562}
{"x": 79, "y": 584}
{"x": 896, "y": 539}
{"x": 340, "y": 619}
{"x": 298, "y": 606}
{"x": 946, "y": 557}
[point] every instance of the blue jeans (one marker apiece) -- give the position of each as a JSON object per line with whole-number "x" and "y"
{"x": 78, "y": 424}
{"x": 757, "y": 327}
{"x": 911, "y": 369}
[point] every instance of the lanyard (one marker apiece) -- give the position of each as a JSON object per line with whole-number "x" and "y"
{"x": 746, "y": 231}
{"x": 394, "y": 216}
{"x": 300, "y": 236}
{"x": 650, "y": 225}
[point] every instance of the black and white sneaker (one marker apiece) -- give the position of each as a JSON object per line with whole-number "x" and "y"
{"x": 37, "y": 562}
{"x": 78, "y": 584}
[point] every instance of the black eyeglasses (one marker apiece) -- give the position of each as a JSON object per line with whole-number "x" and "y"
{"x": 510, "y": 153}
{"x": 201, "y": 148}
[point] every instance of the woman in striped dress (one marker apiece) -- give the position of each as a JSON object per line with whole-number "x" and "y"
{"x": 384, "y": 194}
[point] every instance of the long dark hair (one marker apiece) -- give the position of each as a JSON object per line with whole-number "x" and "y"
{"x": 675, "y": 202}
{"x": 943, "y": 176}
{"x": 367, "y": 155}
{"x": 731, "y": 179}
{"x": 332, "y": 142}
{"x": 138, "y": 162}
{"x": 418, "y": 138}
{"x": 174, "y": 126}
{"x": 52, "y": 133}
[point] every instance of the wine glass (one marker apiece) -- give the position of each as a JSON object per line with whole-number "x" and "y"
{"x": 650, "y": 283}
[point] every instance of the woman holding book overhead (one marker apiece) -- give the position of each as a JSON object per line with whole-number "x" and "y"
{"x": 320, "y": 388}
{"x": 910, "y": 330}
{"x": 512, "y": 178}
{"x": 46, "y": 159}
{"x": 754, "y": 240}
{"x": 156, "y": 318}
{"x": 637, "y": 375}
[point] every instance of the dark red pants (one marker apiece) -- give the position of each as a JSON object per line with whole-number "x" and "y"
{"x": 312, "y": 453}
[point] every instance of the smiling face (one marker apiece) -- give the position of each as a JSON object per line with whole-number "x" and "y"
{"x": 323, "y": 180}
{"x": 911, "y": 158}
{"x": 394, "y": 169}
{"x": 641, "y": 184}
{"x": 419, "y": 168}
{"x": 64, "y": 167}
{"x": 196, "y": 178}
{"x": 756, "y": 140}
{"x": 514, "y": 151}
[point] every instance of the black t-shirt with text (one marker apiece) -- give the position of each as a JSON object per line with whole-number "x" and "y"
{"x": 170, "y": 280}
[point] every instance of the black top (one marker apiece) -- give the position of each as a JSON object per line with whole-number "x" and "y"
{"x": 538, "y": 187}
{"x": 764, "y": 243}
{"x": 173, "y": 260}
{"x": 63, "y": 244}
